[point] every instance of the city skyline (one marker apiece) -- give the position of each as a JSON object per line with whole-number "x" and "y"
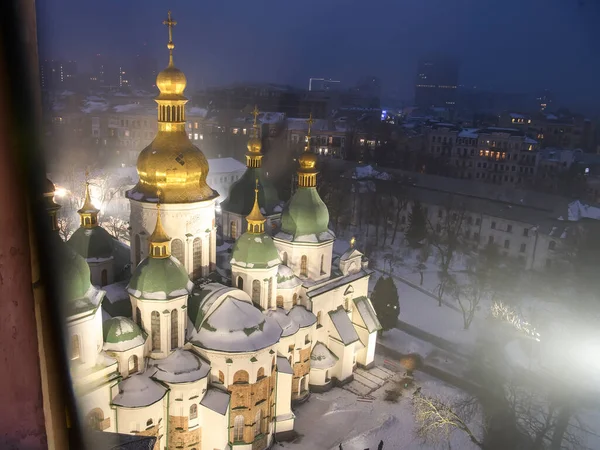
{"x": 218, "y": 44}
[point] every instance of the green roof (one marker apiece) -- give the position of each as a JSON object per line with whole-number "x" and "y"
{"x": 93, "y": 242}
{"x": 256, "y": 251}
{"x": 241, "y": 194}
{"x": 159, "y": 279}
{"x": 305, "y": 214}
{"x": 120, "y": 329}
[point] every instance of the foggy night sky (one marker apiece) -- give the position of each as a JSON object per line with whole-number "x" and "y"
{"x": 509, "y": 45}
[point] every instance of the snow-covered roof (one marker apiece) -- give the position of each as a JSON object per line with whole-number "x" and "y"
{"x": 343, "y": 325}
{"x": 236, "y": 325}
{"x": 129, "y": 107}
{"x": 336, "y": 282}
{"x": 286, "y": 278}
{"x": 308, "y": 238}
{"x": 139, "y": 390}
{"x": 121, "y": 334}
{"x": 578, "y": 211}
{"x": 367, "y": 313}
{"x": 286, "y": 323}
{"x": 369, "y": 172}
{"x": 181, "y": 366}
{"x": 271, "y": 117}
{"x": 517, "y": 116}
{"x": 322, "y": 358}
{"x": 196, "y": 111}
{"x": 302, "y": 316}
{"x": 216, "y": 400}
{"x": 300, "y": 124}
{"x": 528, "y": 140}
{"x": 471, "y": 133}
{"x": 225, "y": 165}
{"x": 350, "y": 253}
{"x": 116, "y": 292}
{"x": 283, "y": 365}
{"x": 90, "y": 107}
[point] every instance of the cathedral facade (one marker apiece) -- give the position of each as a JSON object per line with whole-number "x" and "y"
{"x": 197, "y": 363}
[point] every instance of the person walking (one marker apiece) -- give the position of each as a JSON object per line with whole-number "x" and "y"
{"x": 380, "y": 446}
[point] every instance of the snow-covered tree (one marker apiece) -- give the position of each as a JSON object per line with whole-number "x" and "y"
{"x": 67, "y": 224}
{"x": 385, "y": 301}
{"x": 437, "y": 418}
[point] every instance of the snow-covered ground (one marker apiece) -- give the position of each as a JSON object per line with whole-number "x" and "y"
{"x": 338, "y": 416}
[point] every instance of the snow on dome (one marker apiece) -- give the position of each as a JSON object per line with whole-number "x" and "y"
{"x": 286, "y": 278}
{"x": 322, "y": 358}
{"x": 236, "y": 326}
{"x": 302, "y": 316}
{"x": 288, "y": 326}
{"x": 139, "y": 390}
{"x": 181, "y": 366}
{"x": 121, "y": 334}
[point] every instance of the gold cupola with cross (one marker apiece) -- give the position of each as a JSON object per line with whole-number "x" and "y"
{"x": 159, "y": 242}
{"x": 256, "y": 220}
{"x": 171, "y": 162}
{"x": 254, "y": 155}
{"x": 307, "y": 173}
{"x": 88, "y": 213}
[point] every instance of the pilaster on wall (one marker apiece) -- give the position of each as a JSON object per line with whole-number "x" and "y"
{"x": 180, "y": 436}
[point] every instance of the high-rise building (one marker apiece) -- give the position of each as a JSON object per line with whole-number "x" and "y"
{"x": 57, "y": 74}
{"x": 322, "y": 84}
{"x": 144, "y": 70}
{"x": 436, "y": 84}
{"x": 105, "y": 73}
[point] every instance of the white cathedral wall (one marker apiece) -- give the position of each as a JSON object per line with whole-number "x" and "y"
{"x": 284, "y": 419}
{"x": 248, "y": 275}
{"x": 183, "y": 396}
{"x": 124, "y": 356}
{"x": 131, "y": 420}
{"x": 96, "y": 268}
{"x": 313, "y": 253}
{"x": 88, "y": 330}
{"x": 288, "y": 296}
{"x": 99, "y": 397}
{"x": 239, "y": 361}
{"x": 183, "y": 221}
{"x": 345, "y": 353}
{"x": 215, "y": 429}
{"x": 164, "y": 308}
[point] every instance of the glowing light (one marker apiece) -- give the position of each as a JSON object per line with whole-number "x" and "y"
{"x": 352, "y": 242}
{"x": 60, "y": 191}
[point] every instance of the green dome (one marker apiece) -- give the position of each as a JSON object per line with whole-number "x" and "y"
{"x": 122, "y": 329}
{"x": 305, "y": 214}
{"x": 74, "y": 282}
{"x": 241, "y": 194}
{"x": 159, "y": 279}
{"x": 93, "y": 242}
{"x": 255, "y": 251}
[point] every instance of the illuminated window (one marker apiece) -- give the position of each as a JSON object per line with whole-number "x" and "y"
{"x": 196, "y": 125}
{"x": 195, "y": 136}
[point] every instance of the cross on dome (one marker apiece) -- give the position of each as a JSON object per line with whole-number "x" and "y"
{"x": 170, "y": 23}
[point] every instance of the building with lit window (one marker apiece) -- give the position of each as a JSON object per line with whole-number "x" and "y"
{"x": 437, "y": 83}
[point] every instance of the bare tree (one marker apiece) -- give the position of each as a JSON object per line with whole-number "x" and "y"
{"x": 66, "y": 226}
{"x": 438, "y": 418}
{"x": 117, "y": 227}
{"x": 424, "y": 254}
{"x": 469, "y": 296}
{"x": 446, "y": 236}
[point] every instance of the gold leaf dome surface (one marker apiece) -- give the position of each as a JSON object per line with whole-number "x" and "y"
{"x": 171, "y": 81}
{"x": 307, "y": 160}
{"x": 174, "y": 165}
{"x": 254, "y": 145}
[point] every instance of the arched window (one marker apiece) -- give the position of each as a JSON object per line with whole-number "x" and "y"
{"x": 304, "y": 266}
{"x": 284, "y": 258}
{"x": 103, "y": 278}
{"x": 327, "y": 376}
{"x": 233, "y": 229}
{"x": 133, "y": 364}
{"x": 260, "y": 374}
{"x": 552, "y": 245}
{"x": 75, "y": 347}
{"x": 270, "y": 292}
{"x": 319, "y": 319}
{"x": 86, "y": 221}
{"x": 238, "y": 429}
{"x": 193, "y": 411}
{"x": 177, "y": 250}
{"x": 197, "y": 257}
{"x": 174, "y": 329}
{"x": 258, "y": 423}
{"x": 149, "y": 422}
{"x": 95, "y": 418}
{"x": 347, "y": 303}
{"x": 302, "y": 385}
{"x": 256, "y": 291}
{"x": 221, "y": 377}
{"x": 240, "y": 283}
{"x": 322, "y": 264}
{"x": 138, "y": 318}
{"x": 137, "y": 249}
{"x": 241, "y": 377}
{"x": 155, "y": 328}
{"x": 295, "y": 299}
{"x": 279, "y": 301}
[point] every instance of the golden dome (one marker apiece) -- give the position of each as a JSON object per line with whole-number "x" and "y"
{"x": 254, "y": 145}
{"x": 171, "y": 81}
{"x": 174, "y": 165}
{"x": 308, "y": 160}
